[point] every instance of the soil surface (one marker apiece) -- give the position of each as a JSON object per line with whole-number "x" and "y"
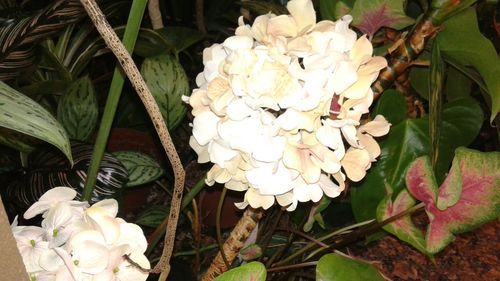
{"x": 472, "y": 256}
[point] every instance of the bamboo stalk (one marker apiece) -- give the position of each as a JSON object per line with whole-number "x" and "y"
{"x": 234, "y": 242}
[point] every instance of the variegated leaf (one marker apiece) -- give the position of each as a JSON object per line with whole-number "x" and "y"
{"x": 141, "y": 167}
{"x": 168, "y": 82}
{"x": 22, "y": 114}
{"x": 77, "y": 109}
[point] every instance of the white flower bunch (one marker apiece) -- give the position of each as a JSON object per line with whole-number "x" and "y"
{"x": 80, "y": 243}
{"x": 279, "y": 105}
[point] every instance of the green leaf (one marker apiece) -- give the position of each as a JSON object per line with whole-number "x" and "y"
{"x": 152, "y": 216}
{"x": 458, "y": 85}
{"x": 467, "y": 198}
{"x": 253, "y": 271}
{"x": 392, "y": 106}
{"x": 462, "y": 41}
{"x": 141, "y": 167}
{"x": 409, "y": 139}
{"x": 180, "y": 37}
{"x": 150, "y": 43}
{"x": 334, "y": 267}
{"x": 24, "y": 115}
{"x": 403, "y": 228}
{"x": 334, "y": 9}
{"x": 168, "y": 82}
{"x": 370, "y": 15}
{"x": 77, "y": 109}
{"x": 436, "y": 81}
{"x": 315, "y": 214}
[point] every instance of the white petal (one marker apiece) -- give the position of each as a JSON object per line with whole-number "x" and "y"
{"x": 343, "y": 77}
{"x": 282, "y": 25}
{"x": 238, "y": 42}
{"x": 49, "y": 198}
{"x": 257, "y": 200}
{"x": 205, "y": 127}
{"x": 329, "y": 187}
{"x": 133, "y": 236}
{"x": 108, "y": 206}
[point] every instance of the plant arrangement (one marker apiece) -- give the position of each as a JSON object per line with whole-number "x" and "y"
{"x": 302, "y": 109}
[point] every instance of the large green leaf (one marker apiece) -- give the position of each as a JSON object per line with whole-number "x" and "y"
{"x": 24, "y": 115}
{"x": 77, "y": 109}
{"x": 141, "y": 168}
{"x": 392, "y": 106}
{"x": 253, "y": 271}
{"x": 462, "y": 41}
{"x": 408, "y": 140}
{"x": 168, "y": 82}
{"x": 180, "y": 37}
{"x": 152, "y": 216}
{"x": 334, "y": 267}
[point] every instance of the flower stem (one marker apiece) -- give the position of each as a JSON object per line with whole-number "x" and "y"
{"x": 131, "y": 32}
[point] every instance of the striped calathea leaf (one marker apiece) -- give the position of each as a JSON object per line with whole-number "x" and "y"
{"x": 168, "y": 82}
{"x": 141, "y": 167}
{"x": 18, "y": 36}
{"x": 78, "y": 110}
{"x": 21, "y": 114}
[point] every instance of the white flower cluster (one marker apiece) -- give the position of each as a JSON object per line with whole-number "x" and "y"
{"x": 80, "y": 243}
{"x": 278, "y": 108}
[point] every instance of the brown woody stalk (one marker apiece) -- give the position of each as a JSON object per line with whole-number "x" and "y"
{"x": 234, "y": 242}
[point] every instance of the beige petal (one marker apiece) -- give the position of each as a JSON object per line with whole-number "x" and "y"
{"x": 303, "y": 13}
{"x": 217, "y": 174}
{"x": 360, "y": 89}
{"x": 329, "y": 187}
{"x": 287, "y": 200}
{"x": 378, "y": 127}
{"x": 293, "y": 119}
{"x": 370, "y": 145}
{"x": 259, "y": 27}
{"x": 326, "y": 159}
{"x": 236, "y": 185}
{"x": 257, "y": 200}
{"x": 220, "y": 152}
{"x": 355, "y": 163}
{"x": 343, "y": 77}
{"x": 205, "y": 127}
{"x": 361, "y": 51}
{"x": 373, "y": 66}
{"x": 282, "y": 25}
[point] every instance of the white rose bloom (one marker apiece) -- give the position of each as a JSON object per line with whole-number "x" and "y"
{"x": 279, "y": 105}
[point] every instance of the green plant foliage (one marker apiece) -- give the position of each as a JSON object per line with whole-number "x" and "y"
{"x": 141, "y": 167}
{"x": 77, "y": 109}
{"x": 392, "y": 106}
{"x": 333, "y": 9}
{"x": 180, "y": 37}
{"x": 152, "y": 216}
{"x": 253, "y": 271}
{"x": 334, "y": 267}
{"x": 462, "y": 41}
{"x": 407, "y": 140}
{"x": 315, "y": 214}
{"x": 168, "y": 82}
{"x": 22, "y": 114}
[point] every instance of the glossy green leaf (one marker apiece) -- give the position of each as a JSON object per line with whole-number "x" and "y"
{"x": 141, "y": 167}
{"x": 462, "y": 41}
{"x": 180, "y": 37}
{"x": 152, "y": 216}
{"x": 151, "y": 43}
{"x": 77, "y": 109}
{"x": 436, "y": 81}
{"x": 334, "y": 267}
{"x": 168, "y": 82}
{"x": 370, "y": 15}
{"x": 334, "y": 9}
{"x": 458, "y": 85}
{"x": 407, "y": 140}
{"x": 467, "y": 198}
{"x": 403, "y": 228}
{"x": 392, "y": 106}
{"x": 22, "y": 114}
{"x": 253, "y": 271}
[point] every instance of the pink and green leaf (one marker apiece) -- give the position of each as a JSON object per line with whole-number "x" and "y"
{"x": 370, "y": 15}
{"x": 478, "y": 174}
{"x": 403, "y": 228}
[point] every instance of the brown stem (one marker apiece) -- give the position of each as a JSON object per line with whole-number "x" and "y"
{"x": 200, "y": 18}
{"x": 155, "y": 14}
{"x": 234, "y": 242}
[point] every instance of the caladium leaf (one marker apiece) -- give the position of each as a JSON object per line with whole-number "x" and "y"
{"x": 407, "y": 140}
{"x": 334, "y": 267}
{"x": 468, "y": 197}
{"x": 370, "y": 15}
{"x": 253, "y": 271}
{"x": 403, "y": 228}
